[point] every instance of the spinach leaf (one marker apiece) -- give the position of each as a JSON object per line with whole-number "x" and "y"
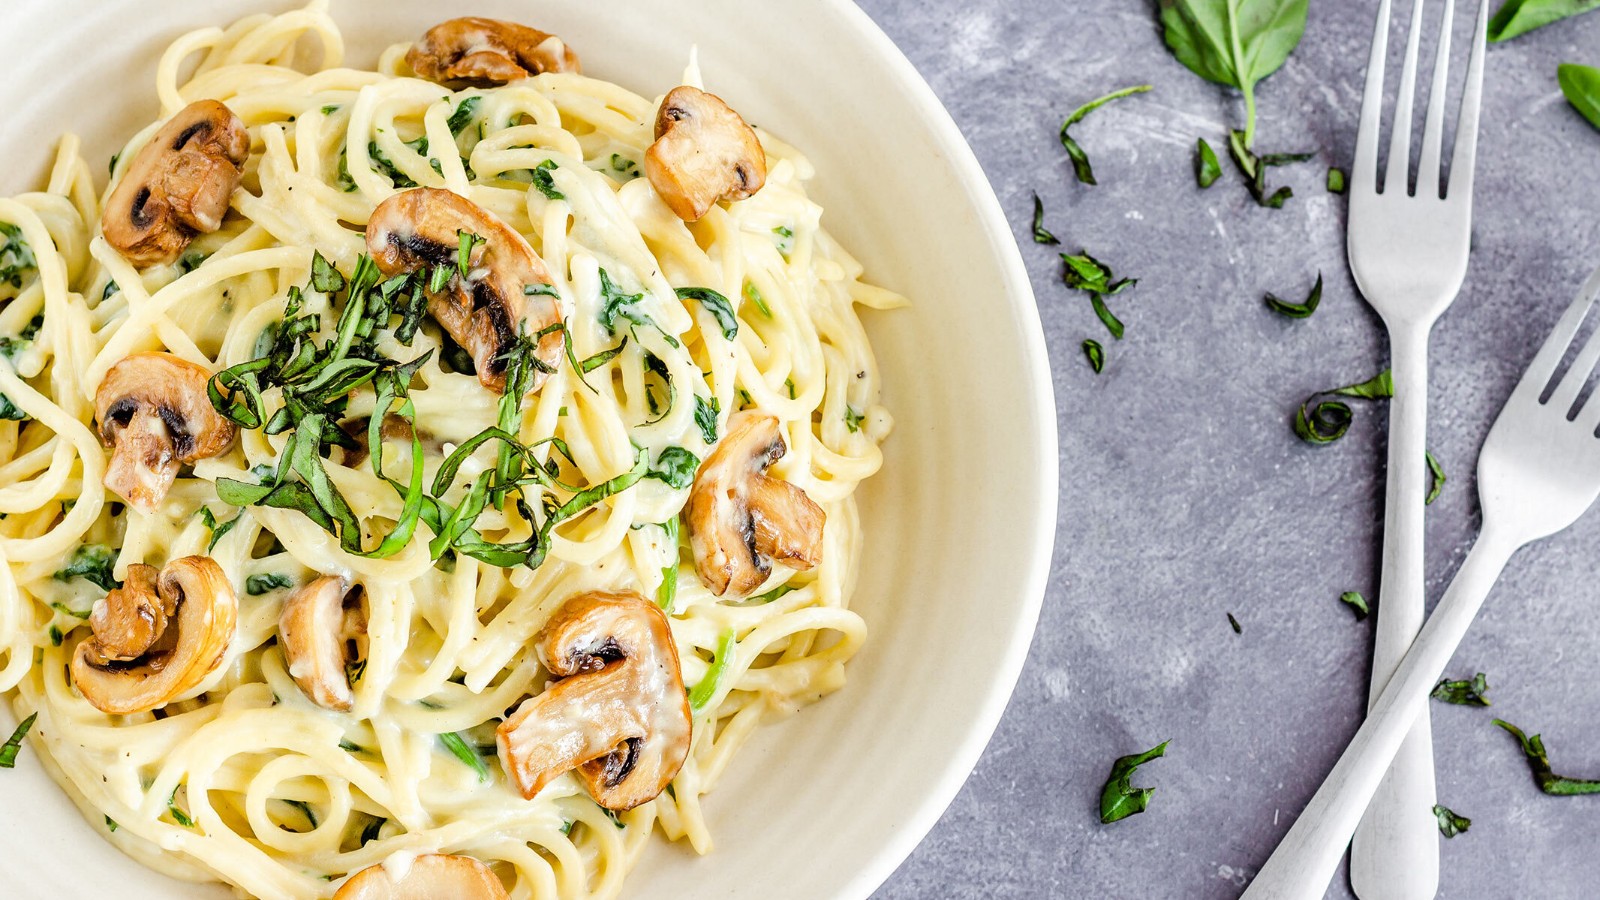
{"x": 1463, "y": 693}
{"x": 1539, "y": 762}
{"x": 1517, "y": 17}
{"x": 1080, "y": 160}
{"x": 1581, "y": 85}
{"x": 707, "y": 687}
{"x": 1450, "y": 824}
{"x": 1234, "y": 42}
{"x": 13, "y": 744}
{"x": 1120, "y": 799}
{"x": 675, "y": 466}
{"x": 93, "y": 563}
{"x": 1438, "y": 479}
{"x": 1206, "y": 168}
{"x": 16, "y": 257}
{"x": 1357, "y": 604}
{"x": 1301, "y": 310}
{"x": 256, "y": 585}
{"x": 1040, "y": 234}
{"x": 717, "y": 305}
{"x": 1095, "y": 354}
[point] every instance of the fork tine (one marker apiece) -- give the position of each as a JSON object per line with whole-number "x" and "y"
{"x": 1364, "y": 171}
{"x": 1400, "y": 140}
{"x": 1543, "y": 367}
{"x": 1466, "y": 152}
{"x": 1433, "y": 133}
{"x": 1577, "y": 375}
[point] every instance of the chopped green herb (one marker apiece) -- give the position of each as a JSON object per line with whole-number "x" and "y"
{"x": 463, "y": 115}
{"x": 256, "y": 585}
{"x": 1302, "y": 310}
{"x": 68, "y": 611}
{"x": 1321, "y": 421}
{"x": 372, "y": 829}
{"x": 1080, "y": 160}
{"x": 705, "y": 416}
{"x": 466, "y": 241}
{"x": 457, "y": 745}
{"x": 330, "y": 109}
{"x": 624, "y": 166}
{"x": 93, "y": 563}
{"x": 676, "y": 466}
{"x": 1040, "y": 234}
{"x": 111, "y": 167}
{"x": 1119, "y": 799}
{"x": 111, "y": 825}
{"x": 707, "y": 687}
{"x": 1335, "y": 180}
{"x": 717, "y": 305}
{"x": 1206, "y": 167}
{"x": 306, "y": 811}
{"x": 1254, "y": 168}
{"x": 16, "y": 257}
{"x": 544, "y": 182}
{"x": 217, "y": 531}
{"x": 1438, "y": 479}
{"x": 1518, "y": 17}
{"x": 13, "y": 744}
{"x": 1539, "y": 762}
{"x": 1450, "y": 824}
{"x": 785, "y": 240}
{"x": 1083, "y": 272}
{"x": 1095, "y": 354}
{"x": 1463, "y": 693}
{"x": 1357, "y": 604}
{"x": 1235, "y": 623}
{"x": 852, "y": 419}
{"x": 56, "y": 637}
{"x": 178, "y": 815}
{"x": 754, "y": 294}
{"x": 667, "y": 594}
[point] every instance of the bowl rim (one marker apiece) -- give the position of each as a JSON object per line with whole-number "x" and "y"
{"x": 1018, "y": 289}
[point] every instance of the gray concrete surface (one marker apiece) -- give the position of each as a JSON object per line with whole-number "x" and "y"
{"x": 1185, "y": 495}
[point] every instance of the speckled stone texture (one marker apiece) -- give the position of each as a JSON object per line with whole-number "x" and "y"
{"x": 1185, "y": 495}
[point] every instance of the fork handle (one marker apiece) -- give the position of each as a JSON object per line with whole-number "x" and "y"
{"x": 1304, "y": 863}
{"x": 1395, "y": 854}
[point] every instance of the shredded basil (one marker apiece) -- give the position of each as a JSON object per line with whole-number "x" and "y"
{"x": 178, "y": 815}
{"x": 93, "y": 563}
{"x": 1083, "y": 272}
{"x": 372, "y": 830}
{"x": 1206, "y": 167}
{"x": 467, "y": 240}
{"x": 705, "y": 416}
{"x": 256, "y": 585}
{"x": 544, "y": 182}
{"x": 1040, "y": 234}
{"x": 16, "y": 257}
{"x": 1463, "y": 693}
{"x": 13, "y": 744}
{"x": 1095, "y": 354}
{"x": 463, "y": 115}
{"x": 667, "y": 594}
{"x": 111, "y": 825}
{"x": 779, "y": 591}
{"x": 1437, "y": 471}
{"x": 1080, "y": 160}
{"x": 1235, "y": 623}
{"x": 717, "y": 305}
{"x": 1302, "y": 310}
{"x": 1322, "y": 421}
{"x": 217, "y": 531}
{"x": 675, "y": 466}
{"x": 1119, "y": 799}
{"x": 707, "y": 687}
{"x": 306, "y": 811}
{"x": 852, "y": 419}
{"x": 1450, "y": 824}
{"x": 1539, "y": 762}
{"x": 785, "y": 241}
{"x": 754, "y": 293}
{"x": 624, "y": 166}
{"x": 1335, "y": 180}
{"x": 1357, "y": 604}
{"x": 457, "y": 745}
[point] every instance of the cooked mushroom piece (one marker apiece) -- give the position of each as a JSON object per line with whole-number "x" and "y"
{"x": 178, "y": 185}
{"x": 156, "y": 637}
{"x": 323, "y": 631}
{"x": 618, "y": 715}
{"x": 154, "y": 414}
{"x": 434, "y": 876}
{"x": 484, "y": 52}
{"x": 483, "y": 310}
{"x": 740, "y": 519}
{"x": 704, "y": 152}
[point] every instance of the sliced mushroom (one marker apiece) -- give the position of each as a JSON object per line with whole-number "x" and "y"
{"x": 156, "y": 637}
{"x": 483, "y": 311}
{"x": 483, "y": 52}
{"x": 153, "y": 411}
{"x": 323, "y": 631}
{"x": 704, "y": 152}
{"x": 434, "y": 876}
{"x": 618, "y": 715}
{"x": 178, "y": 185}
{"x": 740, "y": 519}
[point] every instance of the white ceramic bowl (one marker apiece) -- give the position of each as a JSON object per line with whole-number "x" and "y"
{"x": 959, "y": 523}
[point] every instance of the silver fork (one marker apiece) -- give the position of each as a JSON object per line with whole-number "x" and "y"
{"x": 1409, "y": 256}
{"x": 1538, "y": 471}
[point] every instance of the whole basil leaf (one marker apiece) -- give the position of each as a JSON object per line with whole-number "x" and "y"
{"x": 1581, "y": 84}
{"x": 1517, "y": 17}
{"x": 1234, "y": 42}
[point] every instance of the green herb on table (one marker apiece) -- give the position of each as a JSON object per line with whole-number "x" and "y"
{"x": 1302, "y": 310}
{"x": 457, "y": 746}
{"x": 1206, "y": 168}
{"x": 1235, "y": 623}
{"x": 1095, "y": 354}
{"x": 1085, "y": 273}
{"x": 1335, "y": 180}
{"x": 1357, "y": 604}
{"x": 1450, "y": 824}
{"x": 1323, "y": 421}
{"x": 1120, "y": 799}
{"x": 256, "y": 585}
{"x": 1581, "y": 85}
{"x": 1438, "y": 479}
{"x": 1518, "y": 17}
{"x": 1080, "y": 160}
{"x": 1237, "y": 44}
{"x": 1463, "y": 693}
{"x": 1040, "y": 235}
{"x": 13, "y": 744}
{"x": 1539, "y": 762}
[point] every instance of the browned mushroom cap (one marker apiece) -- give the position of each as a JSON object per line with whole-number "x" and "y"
{"x": 323, "y": 630}
{"x": 619, "y": 714}
{"x": 704, "y": 152}
{"x": 178, "y": 185}
{"x": 740, "y": 519}
{"x": 184, "y": 619}
{"x": 154, "y": 413}
{"x": 431, "y": 877}
{"x": 484, "y": 52}
{"x": 483, "y": 311}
